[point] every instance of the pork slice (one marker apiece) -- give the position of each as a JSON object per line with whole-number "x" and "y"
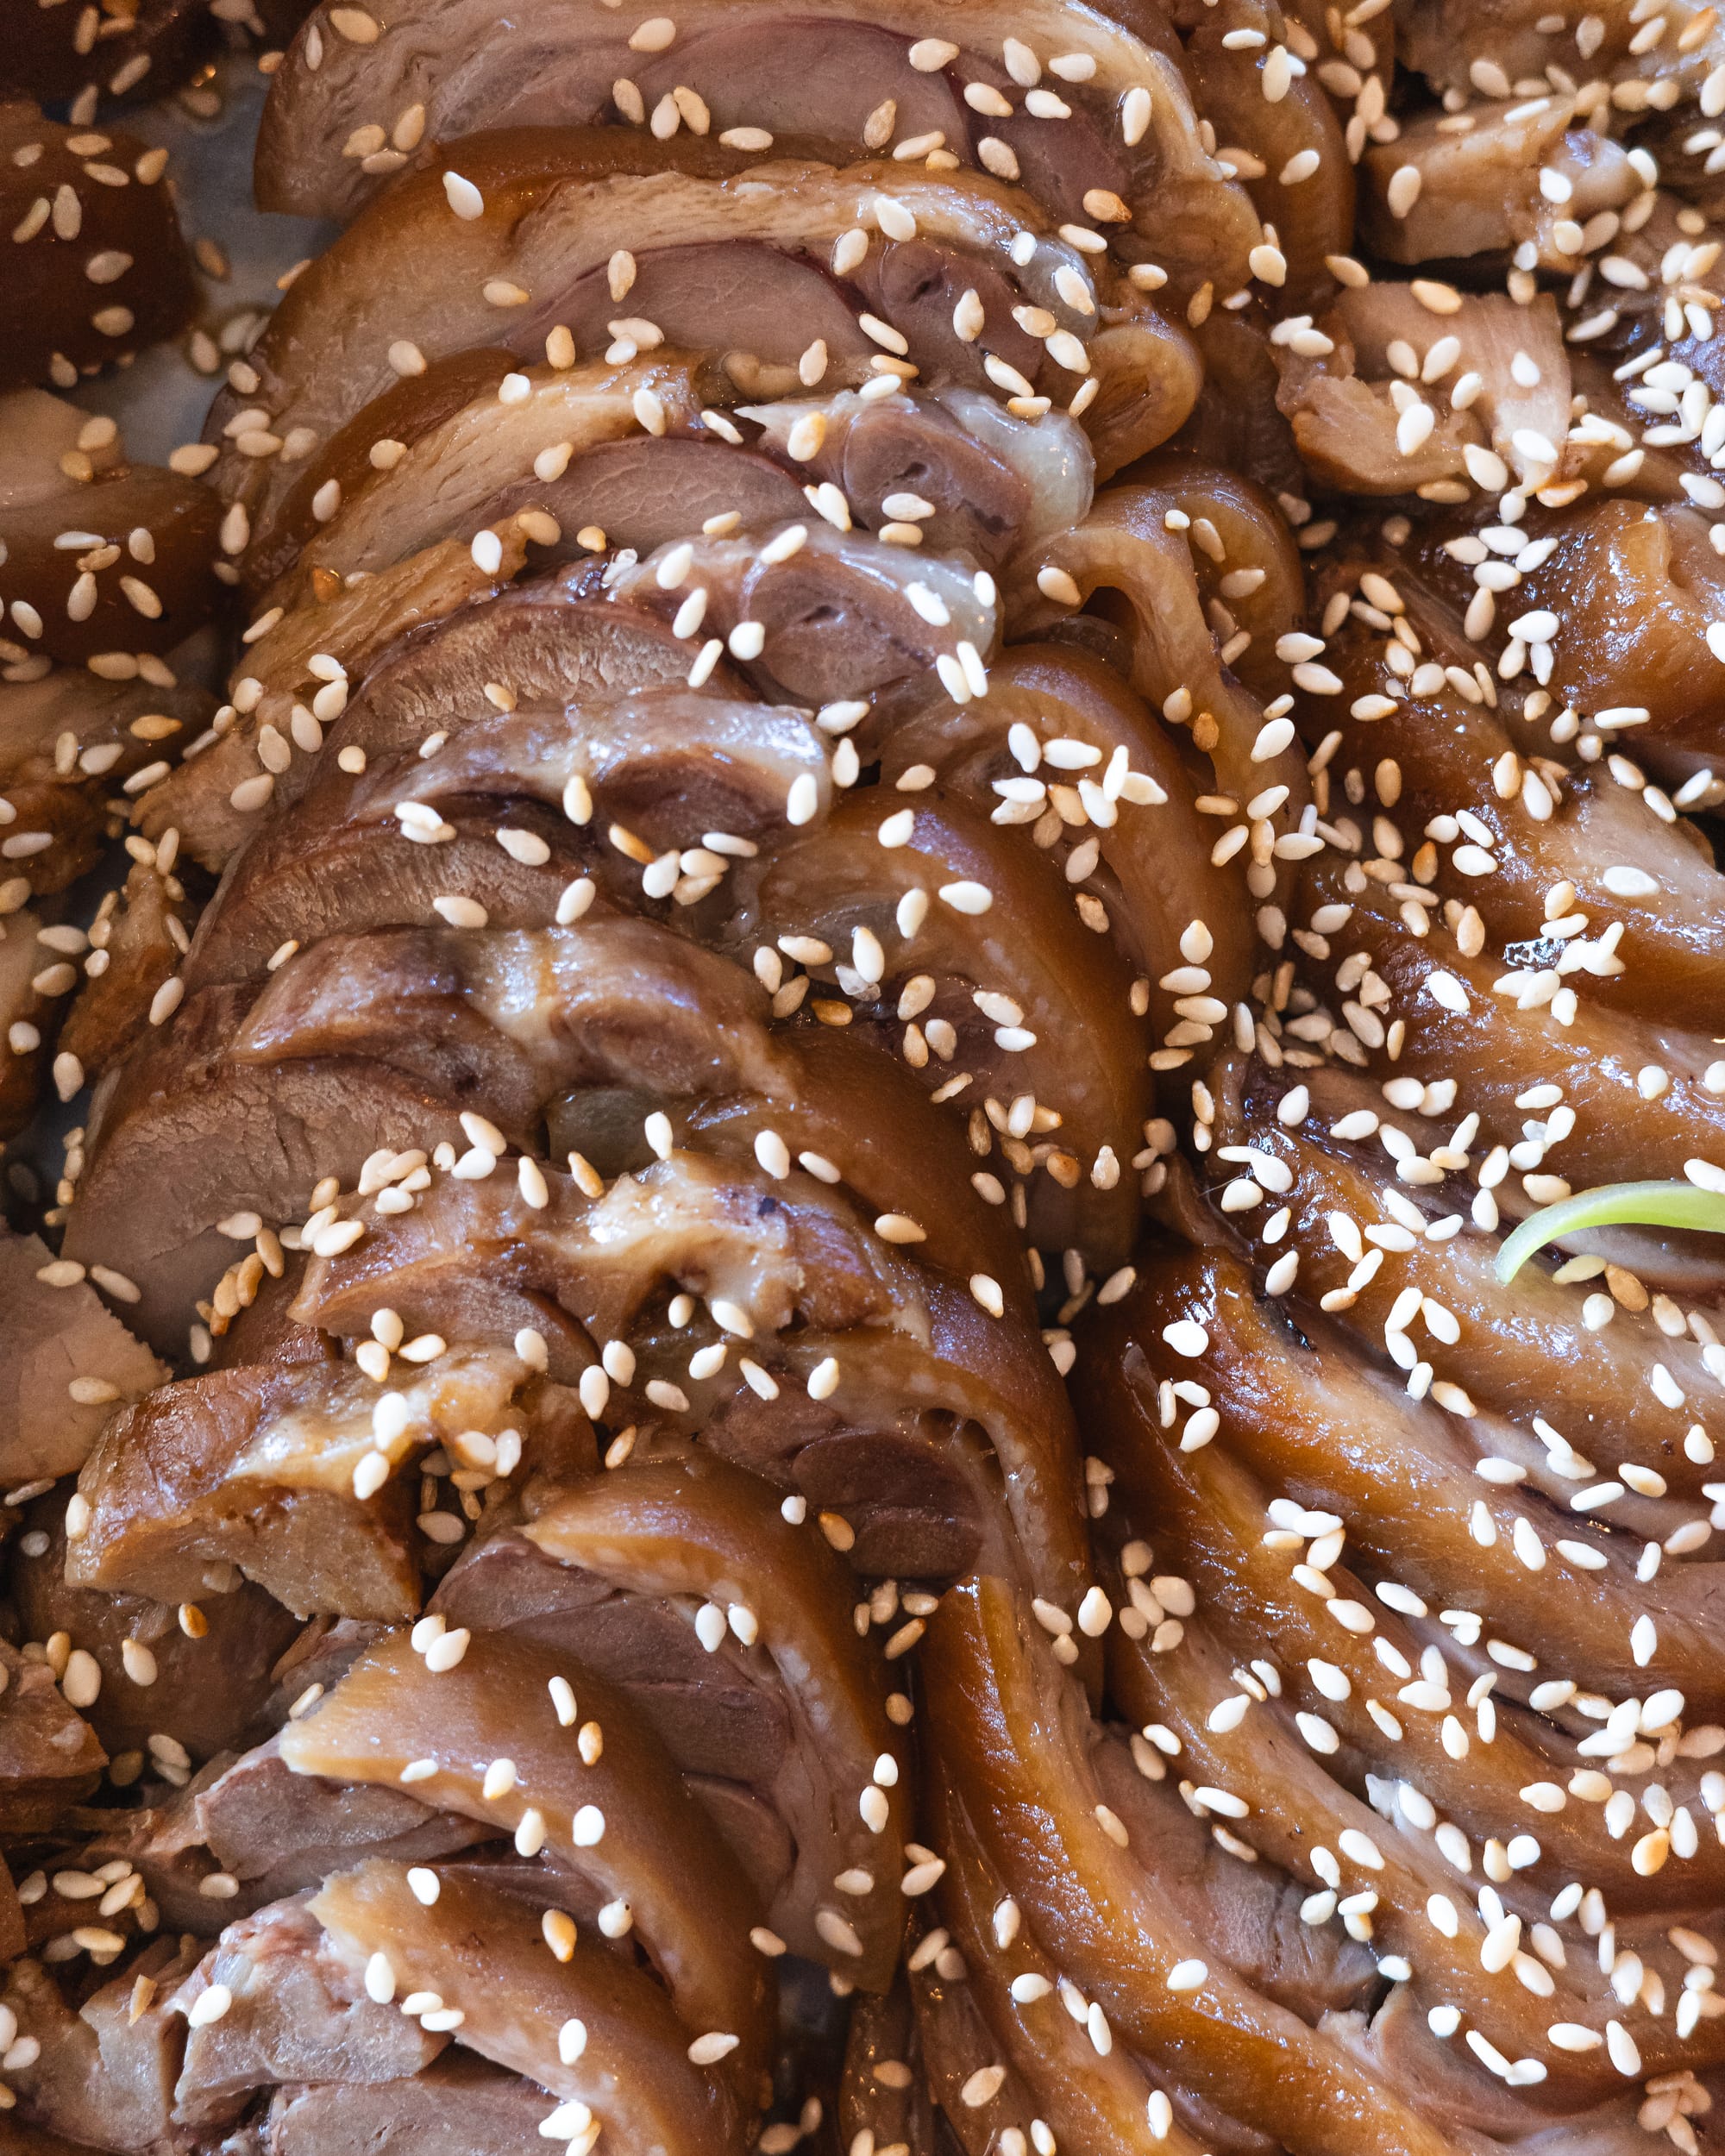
{"x": 459, "y": 2106}
{"x": 51, "y": 329}
{"x": 265, "y": 1331}
{"x": 1445, "y": 2082}
{"x": 299, "y": 884}
{"x": 557, "y": 66}
{"x": 714, "y": 1716}
{"x": 411, "y": 408}
{"x": 117, "y": 726}
{"x": 181, "y": 516}
{"x": 261, "y": 1822}
{"x": 839, "y": 618}
{"x": 50, "y": 1756}
{"x": 648, "y": 492}
{"x": 513, "y": 1020}
{"x": 299, "y": 2014}
{"x": 183, "y": 1138}
{"x": 210, "y": 1693}
{"x": 767, "y": 299}
{"x": 25, "y": 1017}
{"x": 1249, "y": 1913}
{"x": 105, "y": 2074}
{"x": 355, "y": 624}
{"x": 669, "y": 762}
{"x": 979, "y": 500}
{"x": 140, "y": 934}
{"x": 276, "y": 1833}
{"x": 52, "y": 60}
{"x": 565, "y": 442}
{"x": 981, "y": 504}
{"x": 787, "y": 79}
{"x": 738, "y": 268}
{"x": 256, "y": 1468}
{"x": 49, "y": 1337}
{"x": 552, "y": 640}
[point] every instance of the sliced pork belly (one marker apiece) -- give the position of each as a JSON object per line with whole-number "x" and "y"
{"x": 1530, "y": 1352}
{"x": 758, "y": 270}
{"x": 1290, "y": 148}
{"x": 1638, "y": 1094}
{"x": 1090, "y": 111}
{"x": 175, "y": 1110}
{"x": 488, "y": 1953}
{"x": 443, "y": 453}
{"x": 500, "y": 1030}
{"x": 1132, "y": 561}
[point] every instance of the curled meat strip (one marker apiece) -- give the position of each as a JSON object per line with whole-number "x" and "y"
{"x": 1089, "y": 110}
{"x": 1358, "y": 1710}
{"x": 402, "y": 288}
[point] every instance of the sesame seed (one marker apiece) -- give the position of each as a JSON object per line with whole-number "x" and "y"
{"x": 463, "y": 198}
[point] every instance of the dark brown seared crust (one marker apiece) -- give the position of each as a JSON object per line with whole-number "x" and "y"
{"x": 97, "y": 269}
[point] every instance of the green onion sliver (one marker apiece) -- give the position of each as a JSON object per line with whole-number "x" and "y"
{"x": 1613, "y": 1205}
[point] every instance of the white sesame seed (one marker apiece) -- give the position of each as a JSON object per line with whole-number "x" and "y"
{"x": 464, "y": 199}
